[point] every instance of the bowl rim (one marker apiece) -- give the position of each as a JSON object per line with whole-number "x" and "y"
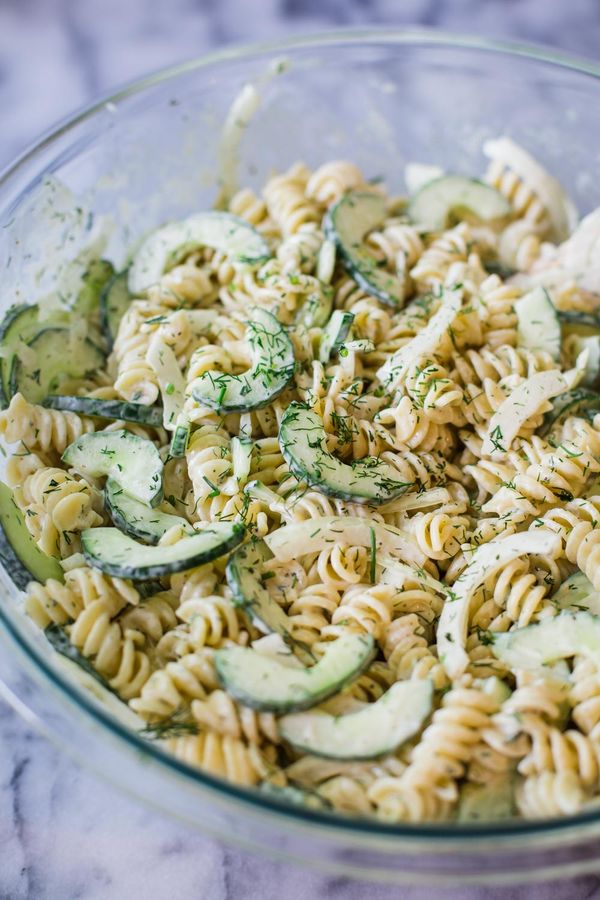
{"x": 452, "y": 834}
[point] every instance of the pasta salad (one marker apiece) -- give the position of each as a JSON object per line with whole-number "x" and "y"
{"x": 312, "y": 486}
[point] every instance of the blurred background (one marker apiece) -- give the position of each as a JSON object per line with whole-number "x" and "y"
{"x": 56, "y": 55}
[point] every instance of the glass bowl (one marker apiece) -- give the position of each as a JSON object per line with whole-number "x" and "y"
{"x": 153, "y": 151}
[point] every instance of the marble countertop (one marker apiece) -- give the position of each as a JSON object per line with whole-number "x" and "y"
{"x": 63, "y": 834}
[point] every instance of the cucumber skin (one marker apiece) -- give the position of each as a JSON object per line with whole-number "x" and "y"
{"x": 18, "y": 370}
{"x": 179, "y": 442}
{"x": 134, "y": 529}
{"x": 297, "y": 704}
{"x": 77, "y": 455}
{"x": 7, "y": 365}
{"x": 10, "y": 558}
{"x": 126, "y": 411}
{"x": 300, "y": 471}
{"x": 95, "y": 280}
{"x": 150, "y": 572}
{"x": 589, "y": 320}
{"x": 107, "y": 322}
{"x": 581, "y": 401}
{"x": 354, "y": 269}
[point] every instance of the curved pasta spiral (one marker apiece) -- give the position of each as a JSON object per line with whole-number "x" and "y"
{"x": 58, "y": 507}
{"x": 177, "y": 684}
{"x": 496, "y": 307}
{"x": 208, "y": 458}
{"x": 311, "y": 611}
{"x": 552, "y": 750}
{"x": 58, "y": 603}
{"x": 439, "y": 534}
{"x": 408, "y": 653}
{"x": 396, "y": 801}
{"x": 339, "y": 565}
{"x": 221, "y": 755}
{"x": 585, "y": 698}
{"x": 184, "y": 284}
{"x": 333, "y": 179}
{"x": 211, "y": 620}
{"x": 52, "y": 603}
{"x": 221, "y": 714}
{"x": 299, "y": 251}
{"x": 550, "y": 794}
{"x": 153, "y": 617}
{"x": 447, "y": 744}
{"x": 38, "y": 427}
{"x": 432, "y": 267}
{"x": 135, "y": 377}
{"x": 553, "y": 473}
{"x": 501, "y": 365}
{"x": 523, "y": 199}
{"x": 519, "y": 245}
{"x": 406, "y": 424}
{"x": 431, "y": 388}
{"x": 515, "y": 598}
{"x": 287, "y": 202}
{"x": 116, "y": 652}
{"x": 248, "y": 206}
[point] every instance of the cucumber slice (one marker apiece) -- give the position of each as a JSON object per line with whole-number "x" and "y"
{"x": 170, "y": 380}
{"x": 538, "y": 325}
{"x": 335, "y": 333}
{"x": 445, "y": 199}
{"x": 518, "y": 408}
{"x": 417, "y": 175}
{"x": 273, "y": 365}
{"x": 316, "y": 309}
{"x": 180, "y": 440}
{"x": 116, "y": 554}
{"x": 164, "y": 248}
{"x": 578, "y": 593}
{"x": 95, "y": 281}
{"x": 137, "y": 519}
{"x": 485, "y": 562}
{"x": 487, "y": 802}
{"x": 379, "y": 728}
{"x": 346, "y": 224}
{"x": 589, "y": 345}
{"x": 132, "y": 461}
{"x": 107, "y": 409}
{"x": 263, "y": 683}
{"x": 584, "y": 324}
{"x": 569, "y": 634}
{"x": 61, "y": 643}
{"x": 114, "y": 302}
{"x": 582, "y": 403}
{"x": 19, "y": 553}
{"x": 315, "y": 535}
{"x": 303, "y": 444}
{"x": 53, "y": 356}
{"x": 246, "y": 579}
{"x": 19, "y": 325}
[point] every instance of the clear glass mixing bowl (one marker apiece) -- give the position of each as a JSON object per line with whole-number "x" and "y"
{"x": 149, "y": 153}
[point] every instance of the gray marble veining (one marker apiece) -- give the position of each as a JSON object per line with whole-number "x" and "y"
{"x": 63, "y": 834}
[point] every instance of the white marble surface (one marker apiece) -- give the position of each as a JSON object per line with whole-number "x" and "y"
{"x": 63, "y": 834}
